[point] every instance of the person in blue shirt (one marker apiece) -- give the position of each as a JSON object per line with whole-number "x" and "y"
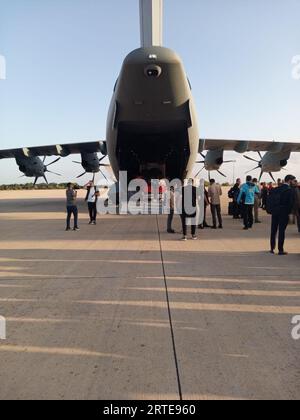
{"x": 246, "y": 199}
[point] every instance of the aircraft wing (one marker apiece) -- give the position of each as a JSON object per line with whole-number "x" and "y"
{"x": 56, "y": 150}
{"x": 243, "y": 146}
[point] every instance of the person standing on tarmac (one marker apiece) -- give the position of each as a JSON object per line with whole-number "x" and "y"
{"x": 280, "y": 205}
{"x": 296, "y": 209}
{"x": 246, "y": 198}
{"x": 172, "y": 211}
{"x": 234, "y": 194}
{"x": 264, "y": 195}
{"x": 189, "y": 209}
{"x": 205, "y": 225}
{"x": 72, "y": 209}
{"x": 215, "y": 193}
{"x": 257, "y": 202}
{"x": 91, "y": 198}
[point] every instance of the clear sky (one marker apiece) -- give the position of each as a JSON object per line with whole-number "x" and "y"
{"x": 63, "y": 58}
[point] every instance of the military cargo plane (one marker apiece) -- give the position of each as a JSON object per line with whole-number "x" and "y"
{"x": 152, "y": 125}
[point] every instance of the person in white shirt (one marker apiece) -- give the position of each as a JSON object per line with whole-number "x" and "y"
{"x": 91, "y": 198}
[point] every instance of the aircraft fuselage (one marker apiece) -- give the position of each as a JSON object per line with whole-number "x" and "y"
{"x": 152, "y": 128}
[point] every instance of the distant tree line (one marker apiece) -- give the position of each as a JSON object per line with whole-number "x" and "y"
{"x": 30, "y": 186}
{"x": 225, "y": 184}
{"x": 52, "y": 186}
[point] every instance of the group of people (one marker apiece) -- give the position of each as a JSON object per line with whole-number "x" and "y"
{"x": 246, "y": 201}
{"x": 212, "y": 197}
{"x": 92, "y": 195}
{"x": 280, "y": 202}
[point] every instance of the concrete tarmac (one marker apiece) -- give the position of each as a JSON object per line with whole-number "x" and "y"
{"x": 125, "y": 311}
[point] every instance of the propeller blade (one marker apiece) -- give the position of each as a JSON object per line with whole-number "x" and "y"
{"x": 52, "y": 163}
{"x": 198, "y": 173}
{"x": 272, "y": 176}
{"x": 54, "y": 173}
{"x": 102, "y": 173}
{"x": 253, "y": 160}
{"x": 254, "y": 169}
{"x": 221, "y": 173}
{"x": 81, "y": 175}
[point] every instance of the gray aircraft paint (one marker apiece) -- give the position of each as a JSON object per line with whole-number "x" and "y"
{"x": 214, "y": 160}
{"x": 274, "y": 162}
{"x": 157, "y": 101}
{"x": 31, "y": 166}
{"x": 151, "y": 23}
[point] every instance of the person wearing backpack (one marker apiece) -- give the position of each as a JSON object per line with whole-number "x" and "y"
{"x": 246, "y": 198}
{"x": 280, "y": 205}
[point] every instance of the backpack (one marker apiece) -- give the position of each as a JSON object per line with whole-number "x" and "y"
{"x": 273, "y": 201}
{"x": 231, "y": 193}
